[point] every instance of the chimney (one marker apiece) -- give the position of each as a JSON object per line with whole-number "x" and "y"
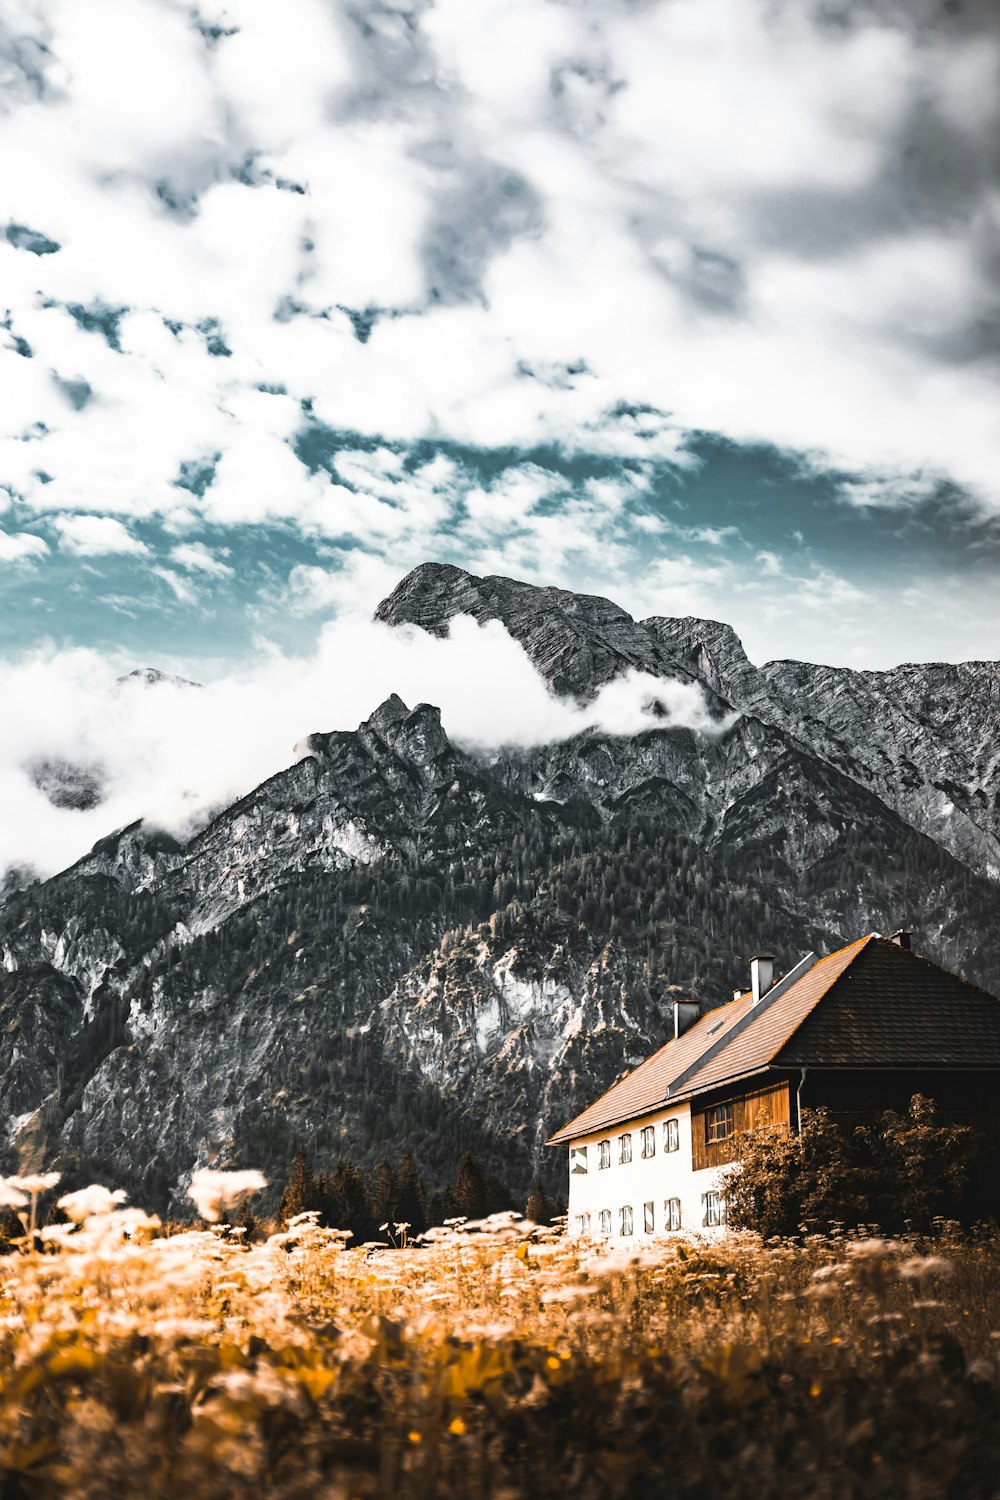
{"x": 902, "y": 939}
{"x": 737, "y": 994}
{"x": 761, "y": 975}
{"x": 686, "y": 1012}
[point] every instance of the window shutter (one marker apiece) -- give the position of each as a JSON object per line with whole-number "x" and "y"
{"x": 704, "y": 1204}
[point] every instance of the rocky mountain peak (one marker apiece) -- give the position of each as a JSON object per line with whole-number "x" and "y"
{"x": 578, "y": 642}
{"x": 416, "y": 735}
{"x": 388, "y": 716}
{"x": 153, "y": 677}
{"x": 713, "y": 651}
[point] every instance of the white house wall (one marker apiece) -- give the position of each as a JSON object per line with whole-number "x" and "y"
{"x": 664, "y": 1175}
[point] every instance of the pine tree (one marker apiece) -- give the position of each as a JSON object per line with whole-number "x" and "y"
{"x": 410, "y": 1206}
{"x": 499, "y": 1197}
{"x": 441, "y": 1206}
{"x": 471, "y": 1191}
{"x": 350, "y": 1208}
{"x": 383, "y": 1195}
{"x": 538, "y": 1208}
{"x": 300, "y": 1192}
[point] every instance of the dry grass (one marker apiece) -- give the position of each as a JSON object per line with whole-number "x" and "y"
{"x": 505, "y": 1363}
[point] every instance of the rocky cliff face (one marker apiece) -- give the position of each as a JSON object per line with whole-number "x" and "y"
{"x": 396, "y": 943}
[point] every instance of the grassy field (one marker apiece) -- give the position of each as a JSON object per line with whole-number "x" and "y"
{"x": 503, "y": 1363}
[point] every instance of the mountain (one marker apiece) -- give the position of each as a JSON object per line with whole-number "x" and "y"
{"x": 397, "y": 943}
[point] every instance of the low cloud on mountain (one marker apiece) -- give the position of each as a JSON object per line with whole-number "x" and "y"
{"x": 172, "y": 752}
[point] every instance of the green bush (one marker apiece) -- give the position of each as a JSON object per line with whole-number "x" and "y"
{"x": 899, "y": 1173}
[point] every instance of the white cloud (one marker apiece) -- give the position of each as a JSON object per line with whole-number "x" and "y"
{"x": 601, "y": 226}
{"x": 198, "y": 558}
{"x": 171, "y": 753}
{"x": 21, "y": 547}
{"x": 182, "y": 588}
{"x": 97, "y": 536}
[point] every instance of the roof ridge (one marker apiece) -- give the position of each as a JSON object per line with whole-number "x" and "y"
{"x": 931, "y": 963}
{"x": 784, "y": 986}
{"x": 738, "y": 1030}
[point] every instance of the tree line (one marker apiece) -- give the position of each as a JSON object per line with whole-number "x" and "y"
{"x": 395, "y": 1195}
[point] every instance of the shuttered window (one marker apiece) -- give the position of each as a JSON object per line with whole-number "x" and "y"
{"x": 648, "y": 1141}
{"x": 603, "y": 1154}
{"x": 625, "y": 1148}
{"x": 625, "y": 1219}
{"x": 714, "y": 1208}
{"x": 671, "y": 1135}
{"x": 672, "y": 1213}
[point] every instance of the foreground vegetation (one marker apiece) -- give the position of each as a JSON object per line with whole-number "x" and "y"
{"x": 496, "y": 1360}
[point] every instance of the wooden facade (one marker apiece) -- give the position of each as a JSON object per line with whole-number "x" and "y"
{"x": 764, "y": 1104}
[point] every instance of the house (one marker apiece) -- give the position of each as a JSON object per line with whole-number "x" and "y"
{"x": 861, "y": 1030}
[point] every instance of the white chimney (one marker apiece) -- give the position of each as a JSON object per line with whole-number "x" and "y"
{"x": 686, "y": 1012}
{"x": 761, "y": 975}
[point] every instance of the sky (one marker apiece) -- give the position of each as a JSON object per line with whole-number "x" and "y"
{"x": 691, "y": 303}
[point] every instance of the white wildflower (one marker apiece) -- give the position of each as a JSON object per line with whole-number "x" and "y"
{"x": 94, "y": 1199}
{"x": 919, "y": 1267}
{"x": 37, "y": 1182}
{"x": 11, "y": 1197}
{"x": 213, "y": 1191}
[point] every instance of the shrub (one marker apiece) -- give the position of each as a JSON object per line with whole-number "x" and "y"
{"x": 899, "y": 1173}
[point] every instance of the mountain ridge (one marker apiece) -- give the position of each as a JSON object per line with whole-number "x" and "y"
{"x": 400, "y": 943}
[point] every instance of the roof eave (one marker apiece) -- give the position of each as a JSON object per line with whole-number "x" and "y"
{"x": 566, "y": 1135}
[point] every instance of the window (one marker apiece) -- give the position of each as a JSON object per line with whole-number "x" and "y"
{"x": 604, "y": 1221}
{"x": 648, "y": 1222}
{"x": 719, "y": 1123}
{"x": 671, "y": 1135}
{"x": 648, "y": 1141}
{"x": 625, "y": 1148}
{"x": 625, "y": 1219}
{"x": 715, "y": 1210}
{"x": 603, "y": 1154}
{"x": 583, "y": 1223}
{"x": 577, "y": 1161}
{"x": 672, "y": 1213}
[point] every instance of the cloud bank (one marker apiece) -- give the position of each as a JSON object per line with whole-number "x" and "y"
{"x": 172, "y": 753}
{"x": 600, "y": 225}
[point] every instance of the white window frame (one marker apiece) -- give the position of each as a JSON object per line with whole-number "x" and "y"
{"x": 648, "y": 1142}
{"x": 604, "y": 1223}
{"x": 578, "y": 1165}
{"x": 671, "y": 1213}
{"x": 715, "y": 1209}
{"x": 583, "y": 1223}
{"x": 604, "y": 1154}
{"x": 626, "y": 1221}
{"x": 672, "y": 1134}
{"x": 649, "y": 1218}
{"x": 625, "y": 1149}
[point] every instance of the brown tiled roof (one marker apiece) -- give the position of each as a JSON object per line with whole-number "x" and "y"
{"x": 894, "y": 1009}
{"x": 882, "y": 1007}
{"x": 765, "y": 1033}
{"x": 645, "y": 1087}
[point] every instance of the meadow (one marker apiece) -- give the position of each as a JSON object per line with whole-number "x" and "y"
{"x": 496, "y": 1360}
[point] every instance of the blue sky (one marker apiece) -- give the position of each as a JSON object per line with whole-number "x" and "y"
{"x": 688, "y": 302}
